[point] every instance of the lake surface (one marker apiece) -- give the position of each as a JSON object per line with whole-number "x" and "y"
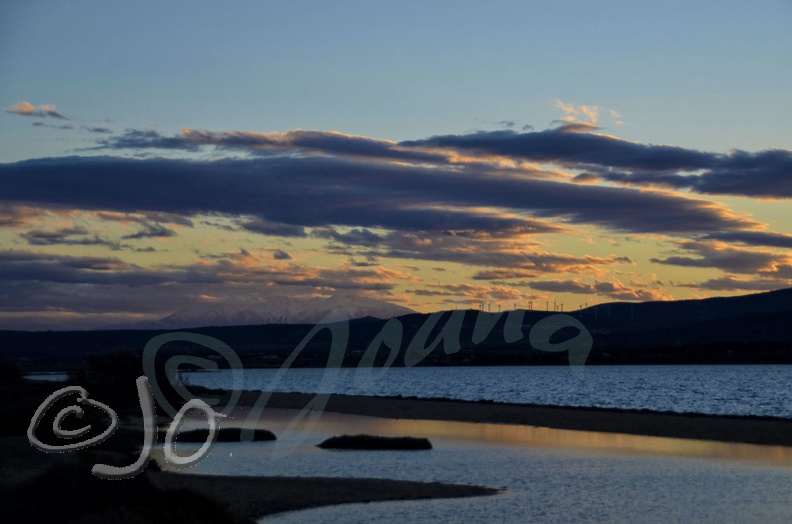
{"x": 722, "y": 389}
{"x": 55, "y": 376}
{"x": 550, "y": 476}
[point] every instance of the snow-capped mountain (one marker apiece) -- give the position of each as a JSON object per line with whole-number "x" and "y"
{"x": 280, "y": 310}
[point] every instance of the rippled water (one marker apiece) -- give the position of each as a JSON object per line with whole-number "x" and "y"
{"x": 722, "y": 389}
{"x": 550, "y": 476}
{"x": 49, "y": 377}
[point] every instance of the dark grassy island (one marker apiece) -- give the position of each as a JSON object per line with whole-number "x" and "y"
{"x": 224, "y": 435}
{"x": 375, "y": 442}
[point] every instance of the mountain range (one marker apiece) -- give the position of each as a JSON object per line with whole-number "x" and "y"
{"x": 753, "y": 329}
{"x": 280, "y": 310}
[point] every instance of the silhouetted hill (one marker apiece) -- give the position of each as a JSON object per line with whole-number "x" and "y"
{"x": 648, "y": 316}
{"x": 752, "y": 329}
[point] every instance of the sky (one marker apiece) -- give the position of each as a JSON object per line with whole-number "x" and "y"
{"x": 436, "y": 155}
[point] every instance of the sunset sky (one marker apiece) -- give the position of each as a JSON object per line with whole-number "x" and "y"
{"x": 433, "y": 154}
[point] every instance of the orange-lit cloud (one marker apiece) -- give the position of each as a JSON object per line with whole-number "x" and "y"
{"x": 312, "y": 213}
{"x": 42, "y": 110}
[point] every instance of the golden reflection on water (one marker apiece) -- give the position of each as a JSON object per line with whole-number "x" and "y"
{"x": 533, "y": 436}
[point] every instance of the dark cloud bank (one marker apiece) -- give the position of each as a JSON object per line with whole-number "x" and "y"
{"x": 317, "y": 191}
{"x": 445, "y": 199}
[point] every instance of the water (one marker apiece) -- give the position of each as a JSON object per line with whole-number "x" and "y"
{"x": 48, "y": 377}
{"x": 550, "y": 476}
{"x": 559, "y": 477}
{"x": 723, "y": 389}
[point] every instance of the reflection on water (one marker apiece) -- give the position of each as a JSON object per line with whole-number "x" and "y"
{"x": 540, "y": 437}
{"x": 550, "y": 475}
{"x": 279, "y": 420}
{"x": 50, "y": 377}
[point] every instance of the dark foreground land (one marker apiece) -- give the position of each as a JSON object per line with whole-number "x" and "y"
{"x": 46, "y": 489}
{"x": 58, "y": 487}
{"x": 28, "y": 477}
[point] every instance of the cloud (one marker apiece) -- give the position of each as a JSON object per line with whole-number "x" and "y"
{"x": 313, "y": 191}
{"x": 36, "y": 304}
{"x": 62, "y": 126}
{"x": 100, "y": 129}
{"x": 753, "y": 238}
{"x": 714, "y": 254}
{"x": 586, "y": 178}
{"x": 563, "y": 286}
{"x": 76, "y": 236}
{"x": 160, "y": 217}
{"x": 612, "y": 288}
{"x": 510, "y": 256}
{"x": 306, "y": 141}
{"x": 487, "y": 201}
{"x": 279, "y": 254}
{"x": 357, "y": 236}
{"x": 40, "y": 111}
{"x": 277, "y": 229}
{"x": 72, "y": 236}
{"x": 528, "y": 265}
{"x": 572, "y": 144}
{"x": 589, "y": 114}
{"x": 764, "y": 174}
{"x": 145, "y": 139}
{"x": 12, "y": 215}
{"x": 635, "y": 291}
{"x": 317, "y": 142}
{"x": 151, "y": 230}
{"x": 371, "y": 262}
{"x": 241, "y": 272}
{"x": 730, "y": 283}
{"x": 487, "y": 219}
{"x": 472, "y": 293}
{"x": 573, "y": 112}
{"x": 20, "y": 266}
{"x": 504, "y": 274}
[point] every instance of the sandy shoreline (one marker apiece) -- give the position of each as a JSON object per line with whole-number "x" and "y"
{"x": 246, "y": 498}
{"x": 255, "y": 497}
{"x": 746, "y": 430}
